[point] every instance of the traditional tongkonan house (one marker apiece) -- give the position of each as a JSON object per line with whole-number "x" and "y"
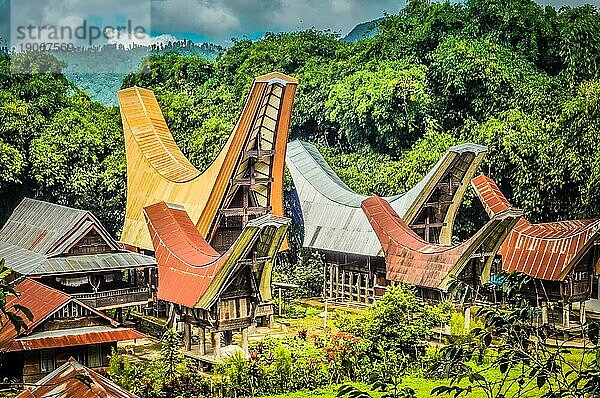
{"x": 62, "y": 327}
{"x": 561, "y": 257}
{"x": 336, "y": 226}
{"x": 431, "y": 267}
{"x": 70, "y": 250}
{"x": 73, "y": 380}
{"x": 244, "y": 182}
{"x": 218, "y": 293}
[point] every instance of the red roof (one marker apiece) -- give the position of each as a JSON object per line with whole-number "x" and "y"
{"x": 40, "y": 299}
{"x": 411, "y": 259}
{"x": 544, "y": 251}
{"x": 43, "y": 301}
{"x": 188, "y": 265}
{"x": 72, "y": 338}
{"x": 184, "y": 258}
{"x": 66, "y": 382}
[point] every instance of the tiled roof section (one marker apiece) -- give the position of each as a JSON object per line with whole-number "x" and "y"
{"x": 492, "y": 198}
{"x": 410, "y": 259}
{"x": 66, "y": 382}
{"x": 544, "y": 251}
{"x": 331, "y": 211}
{"x": 36, "y": 226}
{"x": 190, "y": 271}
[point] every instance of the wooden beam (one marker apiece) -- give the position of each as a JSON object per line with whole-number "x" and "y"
{"x": 251, "y": 182}
{"x": 240, "y": 211}
{"x": 431, "y": 225}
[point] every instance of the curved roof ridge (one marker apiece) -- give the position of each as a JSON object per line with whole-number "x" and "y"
{"x": 331, "y": 181}
{"x": 411, "y": 259}
{"x": 153, "y": 136}
{"x": 163, "y": 217}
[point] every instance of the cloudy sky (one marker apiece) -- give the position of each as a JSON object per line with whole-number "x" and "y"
{"x": 207, "y": 20}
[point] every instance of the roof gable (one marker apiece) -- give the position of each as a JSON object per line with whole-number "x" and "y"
{"x": 36, "y": 226}
{"x": 65, "y": 382}
{"x": 43, "y": 302}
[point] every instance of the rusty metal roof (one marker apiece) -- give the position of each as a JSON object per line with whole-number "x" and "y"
{"x": 73, "y": 337}
{"x": 43, "y": 302}
{"x": 65, "y": 382}
{"x": 38, "y": 234}
{"x": 331, "y": 213}
{"x": 412, "y": 260}
{"x": 190, "y": 271}
{"x": 544, "y": 251}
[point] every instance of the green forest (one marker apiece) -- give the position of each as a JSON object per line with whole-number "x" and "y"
{"x": 520, "y": 78}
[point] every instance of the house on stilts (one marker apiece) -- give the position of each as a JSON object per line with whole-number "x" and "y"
{"x": 561, "y": 257}
{"x": 243, "y": 183}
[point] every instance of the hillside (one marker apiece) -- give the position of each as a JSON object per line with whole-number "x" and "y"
{"x": 100, "y": 71}
{"x": 365, "y": 30}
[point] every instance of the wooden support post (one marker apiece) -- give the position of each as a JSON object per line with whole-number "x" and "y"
{"x": 245, "y": 339}
{"x": 202, "y": 341}
{"x": 216, "y": 343}
{"x": 280, "y": 303}
{"x": 467, "y": 319}
{"x": 544, "y": 313}
{"x": 343, "y": 285}
{"x": 337, "y": 280}
{"x": 565, "y": 318}
{"x": 582, "y": 319}
{"x": 331, "y": 270}
{"x": 187, "y": 336}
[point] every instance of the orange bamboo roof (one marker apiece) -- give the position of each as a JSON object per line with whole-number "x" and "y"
{"x": 547, "y": 251}
{"x": 158, "y": 171}
{"x": 410, "y": 259}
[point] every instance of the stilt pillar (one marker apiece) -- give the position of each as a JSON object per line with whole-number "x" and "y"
{"x": 245, "y": 339}
{"x": 202, "y": 341}
{"x": 187, "y": 336}
{"x": 544, "y": 313}
{"x": 582, "y": 319}
{"x": 565, "y": 318}
{"x": 216, "y": 343}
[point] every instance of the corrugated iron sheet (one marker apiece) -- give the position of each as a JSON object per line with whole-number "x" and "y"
{"x": 36, "y": 226}
{"x": 60, "y": 227}
{"x": 40, "y": 299}
{"x": 72, "y": 338}
{"x": 190, "y": 271}
{"x": 410, "y": 259}
{"x": 65, "y": 382}
{"x": 44, "y": 301}
{"x": 545, "y": 251}
{"x": 333, "y": 219}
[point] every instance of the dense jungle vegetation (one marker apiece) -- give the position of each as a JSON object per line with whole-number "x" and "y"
{"x": 522, "y": 79}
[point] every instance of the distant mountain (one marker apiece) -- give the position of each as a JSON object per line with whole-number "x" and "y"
{"x": 100, "y": 71}
{"x": 363, "y": 30}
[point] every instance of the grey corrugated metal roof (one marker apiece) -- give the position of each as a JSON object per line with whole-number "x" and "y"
{"x": 37, "y": 234}
{"x": 94, "y": 262}
{"x": 333, "y": 219}
{"x": 35, "y": 225}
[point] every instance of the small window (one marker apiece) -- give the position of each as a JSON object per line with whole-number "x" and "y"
{"x": 47, "y": 362}
{"x": 95, "y": 356}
